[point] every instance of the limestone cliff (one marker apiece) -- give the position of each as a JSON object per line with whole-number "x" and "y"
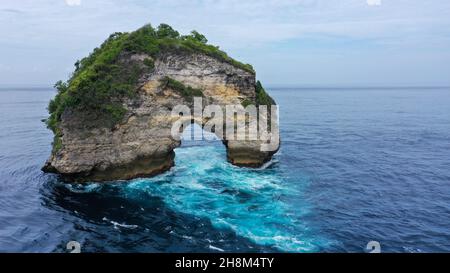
{"x": 103, "y": 135}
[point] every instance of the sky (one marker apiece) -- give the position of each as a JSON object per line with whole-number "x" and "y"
{"x": 289, "y": 42}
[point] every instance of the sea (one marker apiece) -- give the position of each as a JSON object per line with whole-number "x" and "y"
{"x": 356, "y": 165}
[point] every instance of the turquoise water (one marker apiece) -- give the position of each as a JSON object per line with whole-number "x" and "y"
{"x": 355, "y": 165}
{"x": 251, "y": 203}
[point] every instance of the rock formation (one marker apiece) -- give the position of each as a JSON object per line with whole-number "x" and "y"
{"x": 112, "y": 120}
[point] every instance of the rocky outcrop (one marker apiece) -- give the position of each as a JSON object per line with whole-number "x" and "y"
{"x": 141, "y": 143}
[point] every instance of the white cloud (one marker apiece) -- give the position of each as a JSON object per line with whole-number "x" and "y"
{"x": 73, "y": 2}
{"x": 4, "y": 67}
{"x": 315, "y": 31}
{"x": 373, "y": 2}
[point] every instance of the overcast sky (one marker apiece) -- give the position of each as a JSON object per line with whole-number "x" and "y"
{"x": 306, "y": 42}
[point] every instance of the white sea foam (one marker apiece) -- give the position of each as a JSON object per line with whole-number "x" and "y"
{"x": 119, "y": 225}
{"x": 216, "y": 248}
{"x": 238, "y": 199}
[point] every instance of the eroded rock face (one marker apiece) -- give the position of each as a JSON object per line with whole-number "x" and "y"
{"x": 141, "y": 144}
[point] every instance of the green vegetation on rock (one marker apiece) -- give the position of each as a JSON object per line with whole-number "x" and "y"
{"x": 102, "y": 81}
{"x": 57, "y": 143}
{"x": 165, "y": 39}
{"x": 262, "y": 98}
{"x": 187, "y": 92}
{"x": 149, "y": 63}
{"x": 247, "y": 102}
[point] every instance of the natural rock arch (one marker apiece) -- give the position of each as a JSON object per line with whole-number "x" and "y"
{"x": 141, "y": 144}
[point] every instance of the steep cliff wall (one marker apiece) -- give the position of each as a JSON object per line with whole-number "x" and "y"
{"x": 93, "y": 143}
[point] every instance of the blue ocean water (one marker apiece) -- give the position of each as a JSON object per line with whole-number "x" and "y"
{"x": 355, "y": 165}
